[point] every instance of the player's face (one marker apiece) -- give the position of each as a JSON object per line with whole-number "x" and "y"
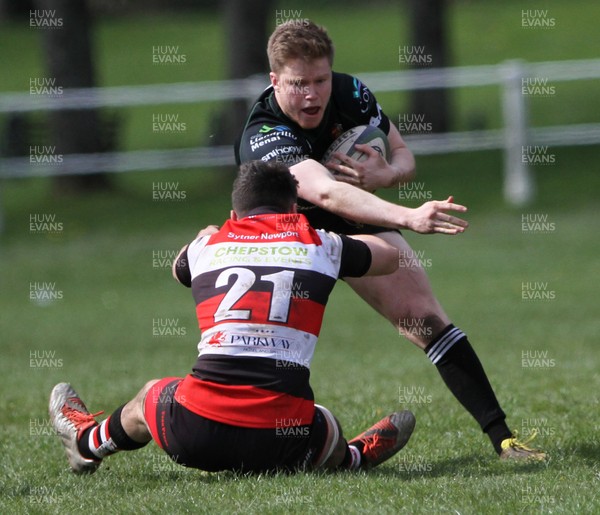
{"x": 302, "y": 89}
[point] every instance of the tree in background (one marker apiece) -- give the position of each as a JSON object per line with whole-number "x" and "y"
{"x": 9, "y": 9}
{"x": 428, "y": 30}
{"x": 247, "y": 28}
{"x": 69, "y": 61}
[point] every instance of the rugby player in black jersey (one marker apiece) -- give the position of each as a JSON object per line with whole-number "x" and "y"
{"x": 260, "y": 284}
{"x": 306, "y": 107}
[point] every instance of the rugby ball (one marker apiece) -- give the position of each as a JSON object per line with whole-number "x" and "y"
{"x": 362, "y": 134}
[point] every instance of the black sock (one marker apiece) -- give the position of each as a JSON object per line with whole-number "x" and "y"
{"x": 498, "y": 431}
{"x": 109, "y": 437}
{"x": 123, "y": 441}
{"x": 464, "y": 376}
{"x": 347, "y": 461}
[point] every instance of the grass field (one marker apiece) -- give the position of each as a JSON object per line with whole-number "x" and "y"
{"x": 99, "y": 336}
{"x": 99, "y": 276}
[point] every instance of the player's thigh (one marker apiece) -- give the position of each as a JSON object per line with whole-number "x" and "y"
{"x": 404, "y": 297}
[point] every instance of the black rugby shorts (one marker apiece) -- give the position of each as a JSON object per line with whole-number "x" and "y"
{"x": 198, "y": 442}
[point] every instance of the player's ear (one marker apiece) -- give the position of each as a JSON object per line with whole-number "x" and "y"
{"x": 233, "y": 215}
{"x": 274, "y": 80}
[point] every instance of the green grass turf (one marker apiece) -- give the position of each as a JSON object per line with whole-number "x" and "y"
{"x": 100, "y": 334}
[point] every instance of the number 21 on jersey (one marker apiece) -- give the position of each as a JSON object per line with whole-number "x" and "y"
{"x": 279, "y": 300}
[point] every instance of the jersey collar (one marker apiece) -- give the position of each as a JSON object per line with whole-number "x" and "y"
{"x": 265, "y": 210}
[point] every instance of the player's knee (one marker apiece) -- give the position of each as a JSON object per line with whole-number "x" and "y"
{"x": 148, "y": 387}
{"x": 137, "y": 404}
{"x": 133, "y": 411}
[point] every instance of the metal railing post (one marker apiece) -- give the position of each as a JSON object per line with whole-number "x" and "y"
{"x": 519, "y": 187}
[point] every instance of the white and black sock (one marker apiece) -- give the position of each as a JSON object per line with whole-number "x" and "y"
{"x": 107, "y": 438}
{"x": 463, "y": 374}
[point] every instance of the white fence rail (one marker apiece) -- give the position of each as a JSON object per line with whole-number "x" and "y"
{"x": 514, "y": 138}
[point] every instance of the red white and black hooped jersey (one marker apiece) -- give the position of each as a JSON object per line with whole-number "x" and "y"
{"x": 261, "y": 285}
{"x": 269, "y": 135}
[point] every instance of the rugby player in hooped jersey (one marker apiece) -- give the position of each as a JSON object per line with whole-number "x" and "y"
{"x": 260, "y": 284}
{"x": 306, "y": 107}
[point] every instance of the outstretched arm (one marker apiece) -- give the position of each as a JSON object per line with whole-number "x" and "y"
{"x": 318, "y": 186}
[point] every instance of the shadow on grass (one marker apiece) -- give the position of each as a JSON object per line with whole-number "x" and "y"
{"x": 587, "y": 452}
{"x": 405, "y": 470}
{"x": 415, "y": 469}
{"x": 411, "y": 467}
